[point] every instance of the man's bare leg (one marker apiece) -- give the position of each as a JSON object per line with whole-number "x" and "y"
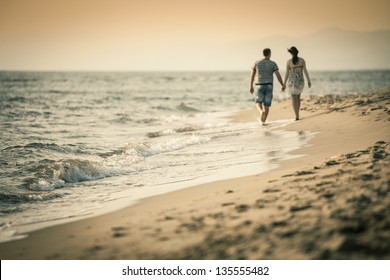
{"x": 265, "y": 114}
{"x": 263, "y": 111}
{"x": 259, "y": 108}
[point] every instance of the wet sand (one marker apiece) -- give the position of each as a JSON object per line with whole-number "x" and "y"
{"x": 331, "y": 203}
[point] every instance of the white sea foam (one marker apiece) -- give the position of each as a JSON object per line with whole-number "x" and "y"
{"x": 44, "y": 185}
{"x": 75, "y": 171}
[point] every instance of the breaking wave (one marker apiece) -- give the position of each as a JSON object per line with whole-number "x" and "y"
{"x": 51, "y": 175}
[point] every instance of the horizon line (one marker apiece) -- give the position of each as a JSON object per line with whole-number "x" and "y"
{"x": 177, "y": 70}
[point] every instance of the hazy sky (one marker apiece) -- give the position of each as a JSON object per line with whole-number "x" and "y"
{"x": 163, "y": 34}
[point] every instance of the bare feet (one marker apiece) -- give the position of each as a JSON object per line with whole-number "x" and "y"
{"x": 261, "y": 122}
{"x": 261, "y": 119}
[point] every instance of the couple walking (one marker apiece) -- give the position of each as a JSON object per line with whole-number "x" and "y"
{"x": 265, "y": 70}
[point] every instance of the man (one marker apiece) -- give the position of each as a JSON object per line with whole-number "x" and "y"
{"x": 265, "y": 70}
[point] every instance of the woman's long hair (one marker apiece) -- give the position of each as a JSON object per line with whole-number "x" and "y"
{"x": 294, "y": 51}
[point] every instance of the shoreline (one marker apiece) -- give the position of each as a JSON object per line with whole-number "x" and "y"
{"x": 17, "y": 232}
{"x": 254, "y": 217}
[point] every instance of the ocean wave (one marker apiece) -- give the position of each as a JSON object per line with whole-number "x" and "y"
{"x": 20, "y": 99}
{"x": 26, "y": 197}
{"x": 173, "y": 145}
{"x": 50, "y": 175}
{"x": 135, "y": 151}
{"x": 160, "y": 133}
{"x": 162, "y": 108}
{"x": 17, "y": 80}
{"x": 74, "y": 171}
{"x": 147, "y": 120}
{"x": 56, "y": 91}
{"x": 190, "y": 128}
{"x": 41, "y": 146}
{"x": 186, "y": 108}
{"x": 168, "y": 78}
{"x": 161, "y": 119}
{"x": 122, "y": 118}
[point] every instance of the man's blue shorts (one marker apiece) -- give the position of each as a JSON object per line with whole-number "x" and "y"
{"x": 264, "y": 94}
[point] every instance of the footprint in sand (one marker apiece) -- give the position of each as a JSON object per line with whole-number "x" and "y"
{"x": 119, "y": 231}
{"x": 242, "y": 208}
{"x": 300, "y": 206}
{"x": 227, "y": 204}
{"x": 261, "y": 203}
{"x": 271, "y": 190}
{"x": 218, "y": 215}
{"x": 95, "y": 249}
{"x": 196, "y": 224}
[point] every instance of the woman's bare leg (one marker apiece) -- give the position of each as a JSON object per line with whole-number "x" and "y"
{"x": 296, "y": 102}
{"x": 299, "y": 104}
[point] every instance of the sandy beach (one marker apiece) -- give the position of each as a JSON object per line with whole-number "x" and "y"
{"x": 331, "y": 203}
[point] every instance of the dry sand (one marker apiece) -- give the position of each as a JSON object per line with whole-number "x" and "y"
{"x": 331, "y": 203}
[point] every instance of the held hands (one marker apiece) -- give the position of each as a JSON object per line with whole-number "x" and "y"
{"x": 283, "y": 87}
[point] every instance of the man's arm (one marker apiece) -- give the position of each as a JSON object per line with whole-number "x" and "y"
{"x": 253, "y": 74}
{"x": 280, "y": 79}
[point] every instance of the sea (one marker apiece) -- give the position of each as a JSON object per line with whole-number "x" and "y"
{"x": 79, "y": 144}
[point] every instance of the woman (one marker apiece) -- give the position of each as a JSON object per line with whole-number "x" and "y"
{"x": 294, "y": 75}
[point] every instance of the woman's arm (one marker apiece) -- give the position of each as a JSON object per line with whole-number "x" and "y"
{"x": 287, "y": 72}
{"x": 306, "y": 73}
